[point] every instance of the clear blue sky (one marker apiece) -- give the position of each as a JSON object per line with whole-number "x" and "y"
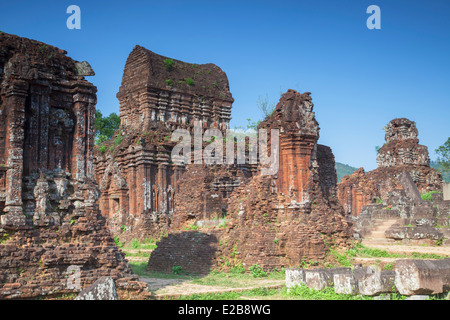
{"x": 360, "y": 79}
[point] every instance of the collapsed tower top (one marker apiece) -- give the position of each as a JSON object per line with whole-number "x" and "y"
{"x": 402, "y": 145}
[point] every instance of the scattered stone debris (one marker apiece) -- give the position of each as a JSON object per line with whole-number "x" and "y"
{"x": 414, "y": 278}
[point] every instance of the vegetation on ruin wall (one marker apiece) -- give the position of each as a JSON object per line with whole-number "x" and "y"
{"x": 438, "y": 167}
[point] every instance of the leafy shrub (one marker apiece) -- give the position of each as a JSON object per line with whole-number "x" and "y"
{"x": 177, "y": 269}
{"x": 256, "y": 271}
{"x": 118, "y": 140}
{"x": 135, "y": 244}
{"x": 169, "y": 82}
{"x": 189, "y": 81}
{"x": 428, "y": 196}
{"x": 118, "y": 242}
{"x": 169, "y": 64}
{"x": 237, "y": 269}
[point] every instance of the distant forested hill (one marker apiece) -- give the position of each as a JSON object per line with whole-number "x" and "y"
{"x": 344, "y": 169}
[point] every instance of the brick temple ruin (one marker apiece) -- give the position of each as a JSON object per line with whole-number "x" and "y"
{"x": 50, "y": 223}
{"x": 138, "y": 179}
{"x": 287, "y": 218}
{"x": 62, "y": 200}
{"x": 293, "y": 216}
{"x": 401, "y": 152}
{"x": 274, "y": 221}
{"x": 391, "y": 195}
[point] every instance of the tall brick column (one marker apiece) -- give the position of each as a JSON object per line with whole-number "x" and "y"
{"x": 15, "y": 104}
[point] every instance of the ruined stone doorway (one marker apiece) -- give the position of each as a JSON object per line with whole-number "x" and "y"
{"x": 115, "y": 206}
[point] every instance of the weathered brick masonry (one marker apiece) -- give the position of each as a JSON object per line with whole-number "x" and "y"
{"x": 50, "y": 223}
{"x": 139, "y": 180}
{"x": 293, "y": 216}
{"x": 276, "y": 220}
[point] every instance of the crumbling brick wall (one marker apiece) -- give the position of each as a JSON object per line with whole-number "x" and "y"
{"x": 194, "y": 252}
{"x": 204, "y": 191}
{"x": 49, "y": 215}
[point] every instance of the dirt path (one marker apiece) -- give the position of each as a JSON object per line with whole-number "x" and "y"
{"x": 173, "y": 288}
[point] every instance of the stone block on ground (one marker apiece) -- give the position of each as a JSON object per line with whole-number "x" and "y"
{"x": 419, "y": 277}
{"x": 377, "y": 283}
{"x": 320, "y": 279}
{"x": 347, "y": 282}
{"x": 294, "y": 277}
{"x": 367, "y": 281}
{"x": 102, "y": 289}
{"x": 446, "y": 191}
{"x": 317, "y": 279}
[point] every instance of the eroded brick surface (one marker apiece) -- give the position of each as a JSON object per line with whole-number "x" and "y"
{"x": 278, "y": 220}
{"x": 50, "y": 223}
{"x": 139, "y": 180}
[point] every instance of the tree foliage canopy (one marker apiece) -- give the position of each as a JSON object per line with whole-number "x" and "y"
{"x": 443, "y": 153}
{"x": 105, "y": 126}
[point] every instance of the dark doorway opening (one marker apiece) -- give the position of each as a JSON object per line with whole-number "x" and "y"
{"x": 2, "y": 207}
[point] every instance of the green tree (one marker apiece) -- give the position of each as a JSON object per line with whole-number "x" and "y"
{"x": 443, "y": 153}
{"x": 266, "y": 106}
{"x": 105, "y": 126}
